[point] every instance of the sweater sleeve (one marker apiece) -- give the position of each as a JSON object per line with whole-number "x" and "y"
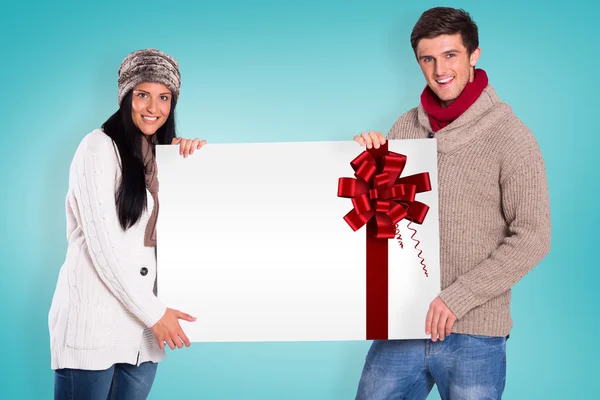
{"x": 95, "y": 171}
{"x": 526, "y": 208}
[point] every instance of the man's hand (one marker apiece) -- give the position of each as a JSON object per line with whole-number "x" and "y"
{"x": 439, "y": 320}
{"x": 168, "y": 330}
{"x": 370, "y": 139}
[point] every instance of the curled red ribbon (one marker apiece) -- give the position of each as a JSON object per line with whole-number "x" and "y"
{"x": 381, "y": 199}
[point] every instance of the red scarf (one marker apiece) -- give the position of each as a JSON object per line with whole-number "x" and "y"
{"x": 440, "y": 117}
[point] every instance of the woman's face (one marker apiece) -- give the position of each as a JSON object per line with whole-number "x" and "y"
{"x": 150, "y": 106}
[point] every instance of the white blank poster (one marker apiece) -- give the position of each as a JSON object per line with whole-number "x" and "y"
{"x": 252, "y": 242}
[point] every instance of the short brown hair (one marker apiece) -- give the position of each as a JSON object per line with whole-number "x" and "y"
{"x": 446, "y": 21}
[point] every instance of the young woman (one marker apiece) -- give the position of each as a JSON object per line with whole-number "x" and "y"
{"x": 107, "y": 327}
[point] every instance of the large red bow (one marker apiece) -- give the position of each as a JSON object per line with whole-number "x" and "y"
{"x": 378, "y": 190}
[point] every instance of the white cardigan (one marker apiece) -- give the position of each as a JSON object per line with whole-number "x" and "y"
{"x": 103, "y": 304}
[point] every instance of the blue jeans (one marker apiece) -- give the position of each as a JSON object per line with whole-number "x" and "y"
{"x": 121, "y": 381}
{"x": 462, "y": 366}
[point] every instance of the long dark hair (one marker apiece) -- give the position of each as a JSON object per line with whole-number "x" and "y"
{"x": 130, "y": 196}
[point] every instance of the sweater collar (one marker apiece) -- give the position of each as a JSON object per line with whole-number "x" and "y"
{"x": 470, "y": 124}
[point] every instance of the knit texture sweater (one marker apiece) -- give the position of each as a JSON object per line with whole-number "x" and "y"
{"x": 494, "y": 209}
{"x": 103, "y": 306}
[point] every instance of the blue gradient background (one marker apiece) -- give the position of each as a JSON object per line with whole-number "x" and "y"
{"x": 293, "y": 71}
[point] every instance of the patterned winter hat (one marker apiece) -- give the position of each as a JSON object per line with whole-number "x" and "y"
{"x": 148, "y": 65}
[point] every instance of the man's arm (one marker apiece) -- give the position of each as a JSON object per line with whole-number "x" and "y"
{"x": 525, "y": 204}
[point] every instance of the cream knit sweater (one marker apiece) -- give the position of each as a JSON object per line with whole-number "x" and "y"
{"x": 494, "y": 209}
{"x": 103, "y": 304}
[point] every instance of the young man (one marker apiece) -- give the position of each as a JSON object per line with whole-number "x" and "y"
{"x": 494, "y": 222}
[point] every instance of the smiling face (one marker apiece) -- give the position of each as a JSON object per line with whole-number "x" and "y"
{"x": 150, "y": 106}
{"x": 446, "y": 65}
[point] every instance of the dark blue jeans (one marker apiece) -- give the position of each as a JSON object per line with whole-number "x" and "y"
{"x": 121, "y": 381}
{"x": 462, "y": 366}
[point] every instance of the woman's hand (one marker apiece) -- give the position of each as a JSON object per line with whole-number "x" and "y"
{"x": 167, "y": 329}
{"x": 187, "y": 146}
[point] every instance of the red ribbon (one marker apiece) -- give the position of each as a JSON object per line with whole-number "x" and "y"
{"x": 381, "y": 199}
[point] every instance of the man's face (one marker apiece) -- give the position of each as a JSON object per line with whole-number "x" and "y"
{"x": 446, "y": 65}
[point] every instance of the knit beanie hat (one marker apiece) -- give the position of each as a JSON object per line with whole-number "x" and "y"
{"x": 148, "y": 65}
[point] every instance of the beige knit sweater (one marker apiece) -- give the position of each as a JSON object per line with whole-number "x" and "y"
{"x": 494, "y": 209}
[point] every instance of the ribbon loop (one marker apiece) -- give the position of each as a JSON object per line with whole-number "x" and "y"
{"x": 362, "y": 204}
{"x": 420, "y": 181}
{"x": 382, "y": 180}
{"x": 418, "y": 211}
